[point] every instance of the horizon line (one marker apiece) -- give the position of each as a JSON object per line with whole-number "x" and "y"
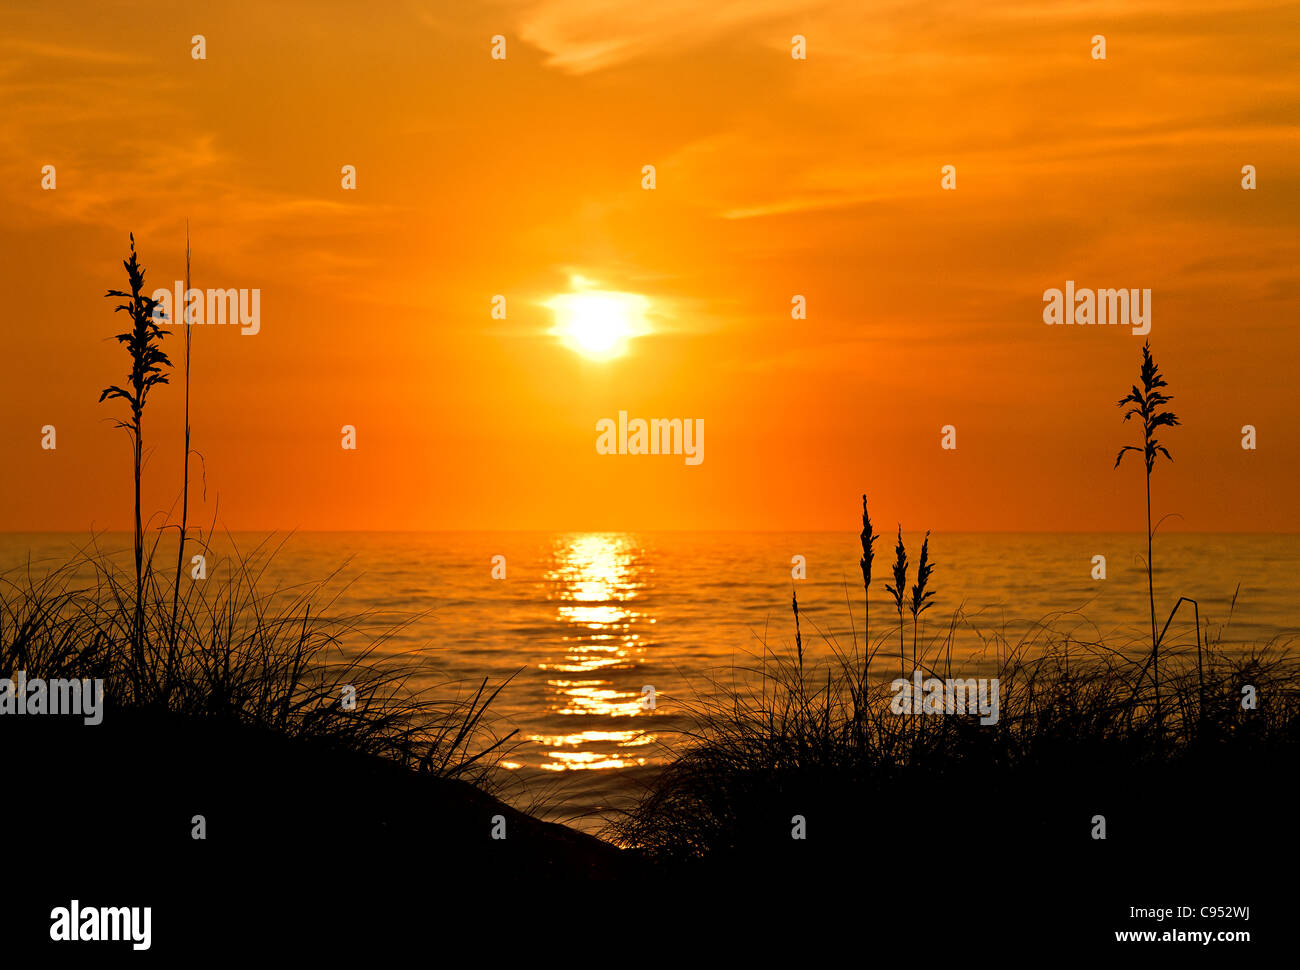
{"x": 726, "y": 531}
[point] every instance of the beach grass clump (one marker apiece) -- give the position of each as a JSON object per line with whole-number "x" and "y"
{"x": 801, "y": 745}
{"x": 233, "y": 652}
{"x": 1077, "y": 730}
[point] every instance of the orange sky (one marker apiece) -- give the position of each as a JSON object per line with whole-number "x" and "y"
{"x": 775, "y": 177}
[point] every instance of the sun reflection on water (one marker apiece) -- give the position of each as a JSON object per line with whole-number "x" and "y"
{"x": 595, "y": 582}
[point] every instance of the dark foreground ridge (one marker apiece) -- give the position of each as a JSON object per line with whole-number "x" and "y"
{"x": 309, "y": 849}
{"x": 104, "y": 814}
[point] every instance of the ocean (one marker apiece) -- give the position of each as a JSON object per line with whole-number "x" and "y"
{"x": 588, "y": 625}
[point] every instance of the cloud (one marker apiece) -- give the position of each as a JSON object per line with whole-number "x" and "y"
{"x": 40, "y": 49}
{"x": 581, "y": 36}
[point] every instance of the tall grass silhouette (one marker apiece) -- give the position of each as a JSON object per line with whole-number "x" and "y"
{"x": 185, "y": 462}
{"x": 898, "y": 590}
{"x": 868, "y": 540}
{"x": 227, "y": 649}
{"x": 1147, "y": 403}
{"x": 921, "y": 597}
{"x": 142, "y": 342}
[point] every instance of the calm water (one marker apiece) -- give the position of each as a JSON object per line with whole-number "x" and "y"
{"x": 586, "y": 620}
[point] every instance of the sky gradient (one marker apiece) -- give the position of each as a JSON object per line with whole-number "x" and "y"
{"x": 775, "y": 177}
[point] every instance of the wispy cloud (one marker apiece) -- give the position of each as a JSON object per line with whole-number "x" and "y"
{"x": 36, "y": 49}
{"x": 581, "y": 36}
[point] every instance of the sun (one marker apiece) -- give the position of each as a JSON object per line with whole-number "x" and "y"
{"x": 599, "y": 323}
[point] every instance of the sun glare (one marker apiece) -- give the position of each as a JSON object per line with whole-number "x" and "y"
{"x": 599, "y": 323}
